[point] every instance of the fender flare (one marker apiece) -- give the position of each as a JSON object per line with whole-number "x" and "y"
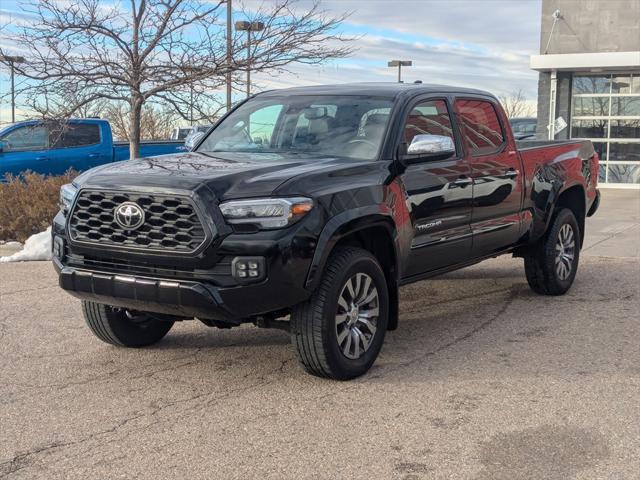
{"x": 558, "y": 188}
{"x": 344, "y": 224}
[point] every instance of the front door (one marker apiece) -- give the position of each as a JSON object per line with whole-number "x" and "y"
{"x": 439, "y": 194}
{"x": 25, "y": 148}
{"x": 497, "y": 176}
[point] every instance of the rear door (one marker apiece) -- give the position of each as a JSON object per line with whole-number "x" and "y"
{"x": 439, "y": 193}
{"x": 78, "y": 146}
{"x": 496, "y": 172}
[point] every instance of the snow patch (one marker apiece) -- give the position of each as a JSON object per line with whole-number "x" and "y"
{"x": 37, "y": 247}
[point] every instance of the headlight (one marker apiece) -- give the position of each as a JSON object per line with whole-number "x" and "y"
{"x": 266, "y": 212}
{"x": 67, "y": 194}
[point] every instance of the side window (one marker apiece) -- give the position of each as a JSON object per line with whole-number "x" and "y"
{"x": 262, "y": 124}
{"x": 75, "y": 135}
{"x": 429, "y": 118}
{"x": 482, "y": 132}
{"x": 30, "y": 137}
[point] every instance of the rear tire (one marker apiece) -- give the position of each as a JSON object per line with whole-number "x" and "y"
{"x": 114, "y": 326}
{"x": 339, "y": 331}
{"x": 551, "y": 264}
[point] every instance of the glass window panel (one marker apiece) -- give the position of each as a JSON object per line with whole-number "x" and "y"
{"x": 591, "y": 106}
{"x": 625, "y": 106}
{"x": 625, "y": 128}
{"x": 635, "y": 83}
{"x": 29, "y": 137}
{"x": 431, "y": 118}
{"x": 591, "y": 84}
{"x": 623, "y": 173}
{"x": 74, "y": 135}
{"x": 602, "y": 174}
{"x": 589, "y": 129}
{"x": 601, "y": 149}
{"x": 621, "y": 84}
{"x": 627, "y": 152}
{"x": 482, "y": 130}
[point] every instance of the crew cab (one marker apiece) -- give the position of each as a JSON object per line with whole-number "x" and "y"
{"x": 306, "y": 209}
{"x": 53, "y": 147}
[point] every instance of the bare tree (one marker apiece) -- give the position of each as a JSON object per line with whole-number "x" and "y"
{"x": 156, "y": 123}
{"x": 161, "y": 50}
{"x": 53, "y": 103}
{"x": 515, "y": 105}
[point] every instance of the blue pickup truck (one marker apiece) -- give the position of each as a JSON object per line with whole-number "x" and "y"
{"x": 52, "y": 148}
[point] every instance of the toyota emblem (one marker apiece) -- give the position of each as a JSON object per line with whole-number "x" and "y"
{"x": 129, "y": 215}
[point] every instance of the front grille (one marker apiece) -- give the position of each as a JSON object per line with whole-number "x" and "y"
{"x": 171, "y": 222}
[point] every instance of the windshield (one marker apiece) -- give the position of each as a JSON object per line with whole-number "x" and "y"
{"x": 304, "y": 126}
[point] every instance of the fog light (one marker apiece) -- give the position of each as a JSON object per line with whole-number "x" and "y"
{"x": 248, "y": 268}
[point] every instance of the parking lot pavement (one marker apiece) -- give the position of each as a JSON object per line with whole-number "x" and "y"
{"x": 483, "y": 380}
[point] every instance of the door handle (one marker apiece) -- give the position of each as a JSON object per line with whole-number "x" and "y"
{"x": 511, "y": 173}
{"x": 463, "y": 181}
{"x": 41, "y": 159}
{"x": 94, "y": 155}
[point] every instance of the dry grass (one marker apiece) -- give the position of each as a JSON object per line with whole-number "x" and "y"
{"x": 28, "y": 204}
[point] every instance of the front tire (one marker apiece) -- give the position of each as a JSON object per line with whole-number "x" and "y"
{"x": 551, "y": 265}
{"x": 339, "y": 331}
{"x": 118, "y": 327}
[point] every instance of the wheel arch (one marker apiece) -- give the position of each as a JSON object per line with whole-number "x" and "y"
{"x": 372, "y": 231}
{"x": 573, "y": 198}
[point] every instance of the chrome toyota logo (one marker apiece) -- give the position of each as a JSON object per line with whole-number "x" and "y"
{"x": 129, "y": 215}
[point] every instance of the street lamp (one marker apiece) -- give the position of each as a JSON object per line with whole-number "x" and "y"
{"x": 400, "y": 64}
{"x": 249, "y": 27}
{"x": 228, "y": 73}
{"x": 11, "y": 60}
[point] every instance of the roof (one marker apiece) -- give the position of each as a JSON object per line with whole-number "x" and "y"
{"x": 383, "y": 89}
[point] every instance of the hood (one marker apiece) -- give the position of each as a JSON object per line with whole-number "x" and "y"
{"x": 228, "y": 175}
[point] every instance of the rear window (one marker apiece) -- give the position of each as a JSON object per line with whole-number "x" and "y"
{"x": 482, "y": 131}
{"x": 75, "y": 135}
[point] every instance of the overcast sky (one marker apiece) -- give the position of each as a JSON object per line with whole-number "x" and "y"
{"x": 479, "y": 43}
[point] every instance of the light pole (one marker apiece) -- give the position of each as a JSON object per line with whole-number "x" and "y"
{"x": 11, "y": 60}
{"x": 228, "y": 75}
{"x": 249, "y": 27}
{"x": 400, "y": 64}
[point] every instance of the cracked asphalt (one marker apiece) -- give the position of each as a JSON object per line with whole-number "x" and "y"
{"x": 482, "y": 380}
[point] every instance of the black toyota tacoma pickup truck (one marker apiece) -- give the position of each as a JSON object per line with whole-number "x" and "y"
{"x": 306, "y": 209}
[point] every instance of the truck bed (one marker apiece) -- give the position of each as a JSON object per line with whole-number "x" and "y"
{"x": 148, "y": 148}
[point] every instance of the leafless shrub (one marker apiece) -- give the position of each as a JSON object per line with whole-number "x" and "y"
{"x": 29, "y": 203}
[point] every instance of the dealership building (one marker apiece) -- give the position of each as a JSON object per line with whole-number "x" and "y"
{"x": 589, "y": 84}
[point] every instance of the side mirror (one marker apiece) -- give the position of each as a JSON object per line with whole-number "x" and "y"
{"x": 429, "y": 147}
{"x": 192, "y": 140}
{"x": 3, "y": 146}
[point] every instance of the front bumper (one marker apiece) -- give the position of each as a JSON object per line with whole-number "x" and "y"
{"x": 185, "y": 299}
{"x": 181, "y": 298}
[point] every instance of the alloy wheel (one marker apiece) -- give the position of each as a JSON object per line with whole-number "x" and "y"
{"x": 565, "y": 251}
{"x": 357, "y": 315}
